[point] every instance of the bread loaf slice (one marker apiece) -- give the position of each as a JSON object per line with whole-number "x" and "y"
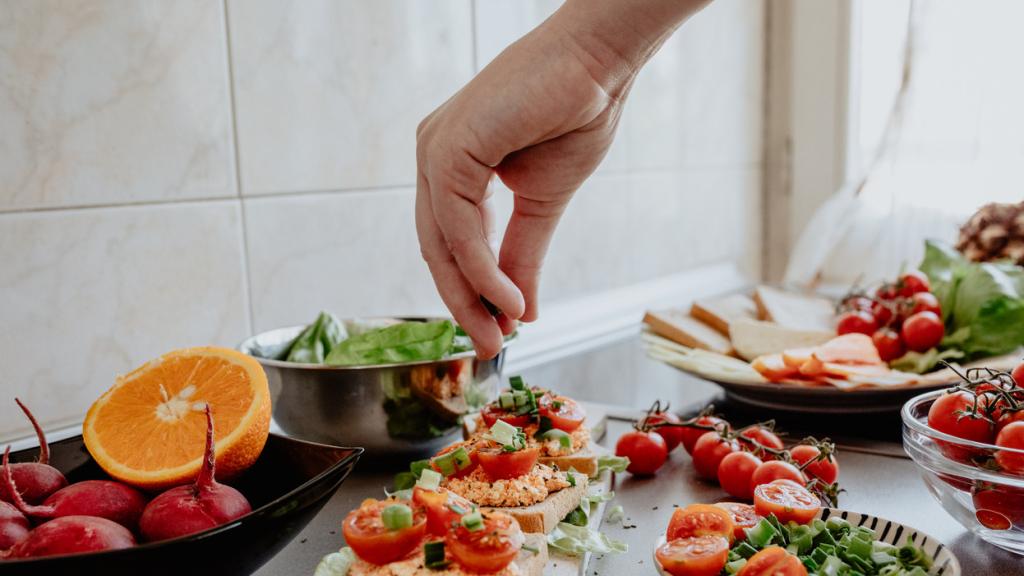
{"x": 542, "y": 517}
{"x": 683, "y": 328}
{"x": 753, "y": 338}
{"x": 794, "y": 310}
{"x": 721, "y": 312}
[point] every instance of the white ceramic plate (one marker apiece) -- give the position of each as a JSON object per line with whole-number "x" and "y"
{"x": 944, "y": 563}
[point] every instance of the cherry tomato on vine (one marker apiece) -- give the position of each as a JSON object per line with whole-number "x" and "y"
{"x": 735, "y": 472}
{"x": 762, "y": 436}
{"x": 913, "y": 282}
{"x": 947, "y": 414}
{"x": 857, "y": 321}
{"x": 708, "y": 453}
{"x": 922, "y": 331}
{"x": 857, "y": 303}
{"x": 646, "y": 451}
{"x": 924, "y": 302}
{"x": 776, "y": 470}
{"x": 1018, "y": 374}
{"x": 887, "y": 292}
{"x": 889, "y": 344}
{"x": 673, "y": 435}
{"x": 882, "y": 311}
{"x": 691, "y": 435}
{"x": 1012, "y": 438}
{"x": 825, "y": 470}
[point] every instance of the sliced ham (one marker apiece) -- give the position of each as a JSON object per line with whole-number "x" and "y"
{"x": 773, "y": 368}
{"x": 849, "y": 349}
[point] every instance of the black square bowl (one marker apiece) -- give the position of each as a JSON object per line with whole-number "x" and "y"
{"x": 290, "y": 482}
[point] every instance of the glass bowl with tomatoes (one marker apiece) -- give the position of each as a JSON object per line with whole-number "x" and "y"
{"x": 968, "y": 442}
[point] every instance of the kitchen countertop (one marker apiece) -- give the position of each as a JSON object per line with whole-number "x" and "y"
{"x": 878, "y": 478}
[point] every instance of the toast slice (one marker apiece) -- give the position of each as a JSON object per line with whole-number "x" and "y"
{"x": 527, "y": 563}
{"x": 794, "y": 310}
{"x": 584, "y": 461}
{"x": 542, "y": 517}
{"x": 683, "y": 328}
{"x": 721, "y": 312}
{"x": 753, "y": 339}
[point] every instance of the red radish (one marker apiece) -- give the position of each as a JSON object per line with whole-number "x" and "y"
{"x": 185, "y": 510}
{"x": 100, "y": 498}
{"x": 72, "y": 535}
{"x": 36, "y": 480}
{"x": 13, "y": 526}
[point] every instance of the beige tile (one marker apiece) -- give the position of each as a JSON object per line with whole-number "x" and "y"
{"x": 111, "y": 102}
{"x": 329, "y": 93}
{"x": 89, "y": 294}
{"x": 352, "y": 253}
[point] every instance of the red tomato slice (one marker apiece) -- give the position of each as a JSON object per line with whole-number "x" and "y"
{"x": 565, "y": 413}
{"x": 743, "y": 517}
{"x": 700, "y": 520}
{"x": 366, "y": 534}
{"x": 698, "y": 556}
{"x": 443, "y": 508}
{"x": 787, "y": 500}
{"x": 473, "y": 458}
{"x": 489, "y": 549}
{"x": 492, "y": 413}
{"x": 501, "y": 465}
{"x": 773, "y": 561}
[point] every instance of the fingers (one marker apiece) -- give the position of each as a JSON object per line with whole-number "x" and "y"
{"x": 525, "y": 245}
{"x": 458, "y": 190}
{"x": 456, "y": 292}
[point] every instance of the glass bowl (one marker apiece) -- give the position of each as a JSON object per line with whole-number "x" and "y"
{"x": 964, "y": 478}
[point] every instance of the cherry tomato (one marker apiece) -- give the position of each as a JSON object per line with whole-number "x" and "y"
{"x": 646, "y": 451}
{"x": 502, "y": 465}
{"x": 1018, "y": 374}
{"x": 701, "y": 556}
{"x": 487, "y": 550}
{"x": 735, "y": 472}
{"x": 882, "y": 311}
{"x": 825, "y": 470}
{"x": 1011, "y": 437}
{"x": 776, "y": 470}
{"x": 473, "y": 460}
{"x": 787, "y": 500}
{"x": 924, "y": 302}
{"x": 366, "y": 534}
{"x": 946, "y": 415}
{"x": 773, "y": 561}
{"x": 1004, "y": 419}
{"x": 887, "y": 292}
{"x": 673, "y": 435}
{"x": 708, "y": 453}
{"x": 913, "y": 282}
{"x": 691, "y": 435}
{"x": 998, "y": 507}
{"x": 743, "y": 517}
{"x": 922, "y": 331}
{"x": 858, "y": 303}
{"x": 565, "y": 413}
{"x": 889, "y": 344}
{"x": 492, "y": 413}
{"x": 700, "y": 520}
{"x": 762, "y": 436}
{"x": 442, "y": 508}
{"x": 857, "y": 321}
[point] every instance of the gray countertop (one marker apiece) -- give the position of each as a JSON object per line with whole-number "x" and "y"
{"x": 881, "y": 485}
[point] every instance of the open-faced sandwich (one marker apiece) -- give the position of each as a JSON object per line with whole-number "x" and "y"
{"x": 436, "y": 532}
{"x": 554, "y": 424}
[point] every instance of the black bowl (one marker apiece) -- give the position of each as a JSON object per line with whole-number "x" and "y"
{"x": 290, "y": 482}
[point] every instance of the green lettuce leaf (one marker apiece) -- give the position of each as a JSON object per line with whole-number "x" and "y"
{"x": 613, "y": 463}
{"x": 405, "y": 342}
{"x": 921, "y": 362}
{"x": 336, "y": 563}
{"x": 578, "y": 540}
{"x": 318, "y": 339}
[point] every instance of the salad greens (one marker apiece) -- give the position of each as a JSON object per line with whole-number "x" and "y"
{"x": 575, "y": 537}
{"x": 408, "y": 417}
{"x": 831, "y": 548}
{"x": 982, "y": 303}
{"x": 405, "y": 342}
{"x": 317, "y": 340}
{"x": 336, "y": 563}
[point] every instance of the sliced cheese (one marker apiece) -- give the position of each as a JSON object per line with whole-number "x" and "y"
{"x": 752, "y": 338}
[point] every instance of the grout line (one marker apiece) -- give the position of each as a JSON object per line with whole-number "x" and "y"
{"x": 244, "y": 220}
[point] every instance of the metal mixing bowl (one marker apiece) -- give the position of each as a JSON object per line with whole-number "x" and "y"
{"x": 394, "y": 411}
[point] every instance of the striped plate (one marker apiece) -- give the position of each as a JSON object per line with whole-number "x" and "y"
{"x": 944, "y": 563}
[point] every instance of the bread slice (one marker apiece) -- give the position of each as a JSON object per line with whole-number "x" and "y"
{"x": 794, "y": 310}
{"x": 752, "y": 338}
{"x": 531, "y": 564}
{"x": 683, "y": 328}
{"x": 542, "y": 517}
{"x": 721, "y": 312}
{"x": 584, "y": 461}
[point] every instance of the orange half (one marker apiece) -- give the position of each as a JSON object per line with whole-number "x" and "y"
{"x": 148, "y": 430}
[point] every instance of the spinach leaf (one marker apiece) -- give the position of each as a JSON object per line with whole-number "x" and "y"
{"x": 405, "y": 342}
{"x": 318, "y": 339}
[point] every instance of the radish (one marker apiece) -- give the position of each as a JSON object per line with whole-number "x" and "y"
{"x": 185, "y": 510}
{"x": 37, "y": 480}
{"x": 71, "y": 535}
{"x": 13, "y": 526}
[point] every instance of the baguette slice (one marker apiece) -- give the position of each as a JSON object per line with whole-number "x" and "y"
{"x": 794, "y": 310}
{"x": 754, "y": 339}
{"x": 542, "y": 517}
{"x": 526, "y": 564}
{"x": 680, "y": 327}
{"x": 584, "y": 461}
{"x": 721, "y": 312}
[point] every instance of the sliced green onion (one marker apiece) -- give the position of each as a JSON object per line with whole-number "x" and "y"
{"x": 735, "y": 566}
{"x": 473, "y": 521}
{"x": 530, "y": 549}
{"x": 461, "y": 458}
{"x": 504, "y": 433}
{"x": 396, "y": 517}
{"x": 507, "y": 401}
{"x": 429, "y": 480}
{"x": 433, "y": 555}
{"x": 571, "y": 479}
{"x": 562, "y": 436}
{"x": 517, "y": 383}
{"x": 761, "y": 534}
{"x": 556, "y": 405}
{"x": 446, "y": 464}
{"x": 519, "y": 398}
{"x": 745, "y": 550}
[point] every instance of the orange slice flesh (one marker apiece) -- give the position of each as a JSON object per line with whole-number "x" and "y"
{"x": 148, "y": 430}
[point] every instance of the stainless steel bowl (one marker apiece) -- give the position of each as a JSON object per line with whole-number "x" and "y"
{"x": 394, "y": 411}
